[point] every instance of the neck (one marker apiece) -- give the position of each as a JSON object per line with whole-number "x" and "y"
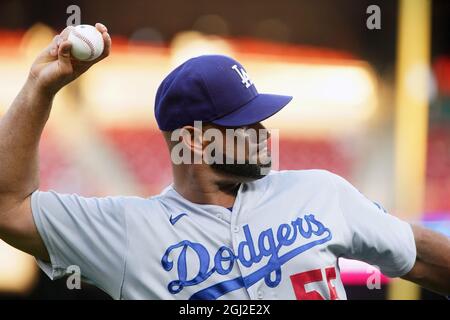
{"x": 203, "y": 186}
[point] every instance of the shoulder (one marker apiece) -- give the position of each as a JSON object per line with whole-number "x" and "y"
{"x": 313, "y": 176}
{"x": 304, "y": 181}
{"x": 127, "y": 203}
{"x": 155, "y": 204}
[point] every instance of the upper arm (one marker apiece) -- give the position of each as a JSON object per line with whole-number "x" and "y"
{"x": 18, "y": 229}
{"x": 87, "y": 232}
{"x": 372, "y": 235}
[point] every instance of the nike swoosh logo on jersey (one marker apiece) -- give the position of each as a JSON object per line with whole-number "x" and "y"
{"x": 174, "y": 220}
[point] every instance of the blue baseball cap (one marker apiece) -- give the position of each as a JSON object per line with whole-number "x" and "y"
{"x": 212, "y": 88}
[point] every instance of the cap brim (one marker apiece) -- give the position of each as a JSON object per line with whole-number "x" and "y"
{"x": 258, "y": 109}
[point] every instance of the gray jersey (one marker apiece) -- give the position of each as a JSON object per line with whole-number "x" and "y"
{"x": 281, "y": 240}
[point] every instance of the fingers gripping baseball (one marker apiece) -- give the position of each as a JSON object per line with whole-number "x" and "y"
{"x": 64, "y": 61}
{"x": 56, "y": 66}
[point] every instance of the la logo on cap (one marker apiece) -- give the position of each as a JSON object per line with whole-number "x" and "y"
{"x": 244, "y": 76}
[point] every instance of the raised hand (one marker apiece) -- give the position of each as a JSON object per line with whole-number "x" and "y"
{"x": 54, "y": 67}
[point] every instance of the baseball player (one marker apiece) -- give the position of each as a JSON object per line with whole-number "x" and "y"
{"x": 220, "y": 230}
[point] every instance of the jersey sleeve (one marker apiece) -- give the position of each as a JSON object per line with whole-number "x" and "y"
{"x": 373, "y": 235}
{"x": 85, "y": 234}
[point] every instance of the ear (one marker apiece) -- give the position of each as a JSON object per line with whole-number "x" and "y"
{"x": 193, "y": 138}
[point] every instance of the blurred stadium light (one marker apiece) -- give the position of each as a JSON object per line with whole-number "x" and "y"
{"x": 330, "y": 94}
{"x": 18, "y": 270}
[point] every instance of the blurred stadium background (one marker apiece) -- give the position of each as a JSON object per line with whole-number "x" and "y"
{"x": 349, "y": 115}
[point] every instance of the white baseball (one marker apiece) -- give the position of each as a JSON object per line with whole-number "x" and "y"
{"x": 87, "y": 42}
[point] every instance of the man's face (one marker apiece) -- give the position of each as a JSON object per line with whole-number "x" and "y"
{"x": 245, "y": 152}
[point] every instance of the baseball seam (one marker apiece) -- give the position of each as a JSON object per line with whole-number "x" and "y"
{"x": 87, "y": 41}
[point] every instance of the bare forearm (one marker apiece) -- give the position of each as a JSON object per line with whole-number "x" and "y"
{"x": 20, "y": 131}
{"x": 432, "y": 268}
